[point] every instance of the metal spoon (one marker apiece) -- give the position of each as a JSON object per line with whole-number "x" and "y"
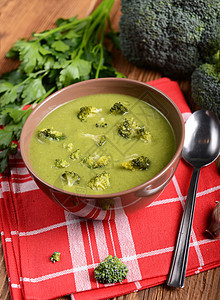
{"x": 201, "y": 147}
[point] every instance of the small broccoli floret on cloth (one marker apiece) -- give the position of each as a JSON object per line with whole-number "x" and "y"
{"x": 55, "y": 257}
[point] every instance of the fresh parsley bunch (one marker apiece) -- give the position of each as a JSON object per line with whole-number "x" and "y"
{"x": 50, "y": 60}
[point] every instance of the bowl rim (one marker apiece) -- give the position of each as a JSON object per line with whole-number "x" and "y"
{"x": 176, "y": 156}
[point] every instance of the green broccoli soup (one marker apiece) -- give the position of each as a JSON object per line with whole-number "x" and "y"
{"x": 101, "y": 144}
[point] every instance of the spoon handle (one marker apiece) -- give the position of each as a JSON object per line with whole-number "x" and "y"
{"x": 177, "y": 272}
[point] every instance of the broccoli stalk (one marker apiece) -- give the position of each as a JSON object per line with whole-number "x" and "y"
{"x": 205, "y": 85}
{"x": 111, "y": 270}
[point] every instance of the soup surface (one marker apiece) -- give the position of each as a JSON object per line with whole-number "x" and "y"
{"x": 50, "y": 159}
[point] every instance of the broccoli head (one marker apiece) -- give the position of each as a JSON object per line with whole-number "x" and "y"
{"x": 50, "y": 134}
{"x": 111, "y": 270}
{"x": 205, "y": 85}
{"x": 87, "y": 111}
{"x": 129, "y": 129}
{"x": 118, "y": 109}
{"x": 173, "y": 36}
{"x": 101, "y": 123}
{"x": 139, "y": 163}
{"x": 55, "y": 257}
{"x": 96, "y": 161}
{"x": 144, "y": 134}
{"x": 75, "y": 154}
{"x": 100, "y": 182}
{"x": 70, "y": 178}
{"x": 61, "y": 163}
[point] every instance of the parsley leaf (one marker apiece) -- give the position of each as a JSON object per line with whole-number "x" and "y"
{"x": 6, "y": 138}
{"x": 60, "y": 46}
{"x": 33, "y": 90}
{"x": 9, "y": 96}
{"x": 29, "y": 55}
{"x": 5, "y": 86}
{"x": 76, "y": 69}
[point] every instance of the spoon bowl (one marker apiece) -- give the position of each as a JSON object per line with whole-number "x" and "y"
{"x": 202, "y": 139}
{"x": 201, "y": 147}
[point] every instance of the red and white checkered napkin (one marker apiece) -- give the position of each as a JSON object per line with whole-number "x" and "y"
{"x": 33, "y": 227}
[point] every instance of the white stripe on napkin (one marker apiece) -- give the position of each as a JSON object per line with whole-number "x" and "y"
{"x": 126, "y": 243}
{"x": 78, "y": 254}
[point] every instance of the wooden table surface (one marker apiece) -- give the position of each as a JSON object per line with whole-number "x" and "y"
{"x": 18, "y": 19}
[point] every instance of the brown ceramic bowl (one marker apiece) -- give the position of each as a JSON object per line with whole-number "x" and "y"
{"x": 128, "y": 201}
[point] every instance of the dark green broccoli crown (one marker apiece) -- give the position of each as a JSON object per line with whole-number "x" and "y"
{"x": 111, "y": 270}
{"x": 84, "y": 112}
{"x": 174, "y": 36}
{"x": 118, "y": 108}
{"x": 127, "y": 128}
{"x": 205, "y": 85}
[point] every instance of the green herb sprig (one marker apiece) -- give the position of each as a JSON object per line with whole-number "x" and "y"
{"x": 50, "y": 60}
